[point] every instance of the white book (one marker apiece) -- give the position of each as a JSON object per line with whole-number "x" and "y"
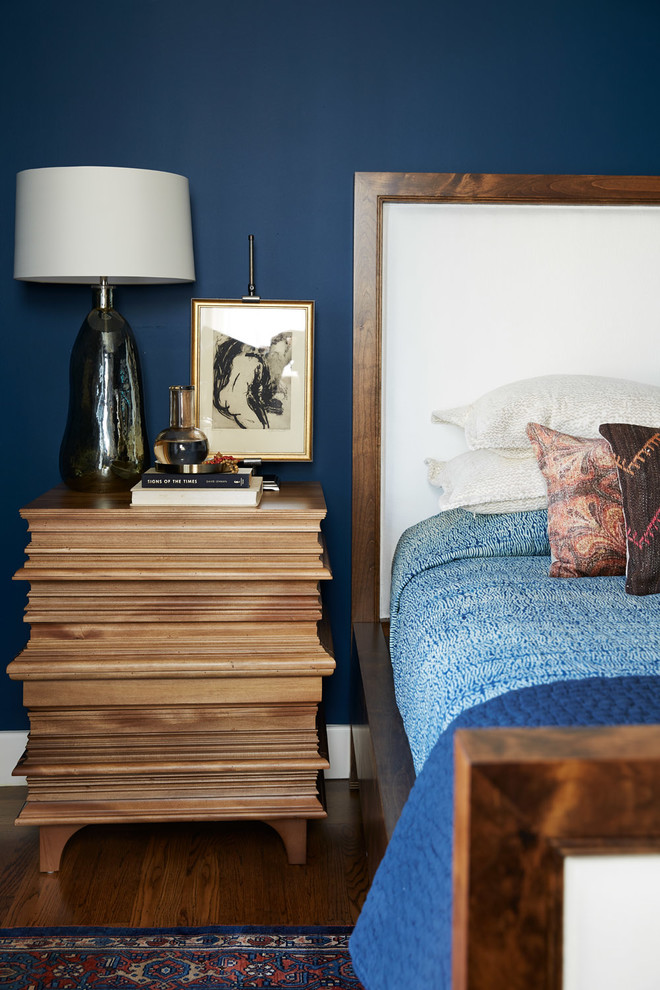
{"x": 199, "y": 496}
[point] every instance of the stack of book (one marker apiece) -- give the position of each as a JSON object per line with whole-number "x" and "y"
{"x": 215, "y": 488}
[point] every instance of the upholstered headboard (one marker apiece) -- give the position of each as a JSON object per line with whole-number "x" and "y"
{"x": 463, "y": 283}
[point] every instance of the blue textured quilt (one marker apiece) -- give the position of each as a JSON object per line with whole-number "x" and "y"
{"x": 403, "y": 935}
{"x": 481, "y": 637}
{"x": 474, "y": 615}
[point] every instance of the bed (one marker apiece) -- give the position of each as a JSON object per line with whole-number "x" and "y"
{"x": 469, "y": 587}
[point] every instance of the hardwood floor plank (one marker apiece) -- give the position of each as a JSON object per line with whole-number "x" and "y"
{"x": 203, "y": 871}
{"x": 160, "y": 891}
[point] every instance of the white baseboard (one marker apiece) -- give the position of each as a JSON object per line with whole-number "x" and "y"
{"x": 339, "y": 752}
{"x": 12, "y": 745}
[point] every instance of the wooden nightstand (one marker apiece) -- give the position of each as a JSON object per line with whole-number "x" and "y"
{"x": 175, "y": 663}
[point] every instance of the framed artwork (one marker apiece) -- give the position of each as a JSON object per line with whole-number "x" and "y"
{"x": 252, "y": 371}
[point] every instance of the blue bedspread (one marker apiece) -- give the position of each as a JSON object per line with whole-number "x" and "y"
{"x": 474, "y": 615}
{"x": 403, "y": 935}
{"x": 482, "y": 637}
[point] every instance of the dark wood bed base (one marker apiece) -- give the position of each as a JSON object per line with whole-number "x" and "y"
{"x": 382, "y": 755}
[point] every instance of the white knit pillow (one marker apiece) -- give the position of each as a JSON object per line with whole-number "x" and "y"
{"x": 485, "y": 482}
{"x": 575, "y": 404}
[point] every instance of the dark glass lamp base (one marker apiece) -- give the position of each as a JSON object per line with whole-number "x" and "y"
{"x": 104, "y": 448}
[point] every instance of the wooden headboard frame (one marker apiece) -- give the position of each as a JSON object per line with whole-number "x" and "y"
{"x": 372, "y": 191}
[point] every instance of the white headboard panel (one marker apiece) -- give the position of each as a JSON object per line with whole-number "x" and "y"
{"x": 463, "y": 282}
{"x": 475, "y": 295}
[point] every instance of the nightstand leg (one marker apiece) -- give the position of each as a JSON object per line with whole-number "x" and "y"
{"x": 293, "y": 833}
{"x": 52, "y": 840}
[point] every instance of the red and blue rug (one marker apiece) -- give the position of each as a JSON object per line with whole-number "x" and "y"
{"x": 175, "y": 958}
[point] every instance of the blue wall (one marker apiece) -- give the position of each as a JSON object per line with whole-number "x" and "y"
{"x": 269, "y": 107}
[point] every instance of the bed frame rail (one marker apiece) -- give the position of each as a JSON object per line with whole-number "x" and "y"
{"x": 382, "y": 756}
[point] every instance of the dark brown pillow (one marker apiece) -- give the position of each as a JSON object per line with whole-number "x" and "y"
{"x": 636, "y": 452}
{"x": 585, "y": 517}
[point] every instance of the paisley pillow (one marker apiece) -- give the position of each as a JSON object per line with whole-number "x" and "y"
{"x": 585, "y": 513}
{"x": 636, "y": 452}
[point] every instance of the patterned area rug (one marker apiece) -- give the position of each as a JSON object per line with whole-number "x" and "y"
{"x": 175, "y": 958}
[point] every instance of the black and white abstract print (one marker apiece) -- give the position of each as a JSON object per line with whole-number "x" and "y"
{"x": 252, "y": 385}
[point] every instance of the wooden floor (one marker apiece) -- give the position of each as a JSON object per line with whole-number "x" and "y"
{"x": 186, "y": 873}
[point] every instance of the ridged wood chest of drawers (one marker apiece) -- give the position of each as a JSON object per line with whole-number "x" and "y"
{"x": 175, "y": 663}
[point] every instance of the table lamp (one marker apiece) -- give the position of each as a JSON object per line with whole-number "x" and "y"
{"x": 103, "y": 226}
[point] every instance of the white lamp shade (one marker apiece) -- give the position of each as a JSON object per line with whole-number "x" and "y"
{"x": 78, "y": 224}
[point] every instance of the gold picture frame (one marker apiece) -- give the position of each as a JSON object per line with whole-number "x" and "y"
{"x": 252, "y": 368}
